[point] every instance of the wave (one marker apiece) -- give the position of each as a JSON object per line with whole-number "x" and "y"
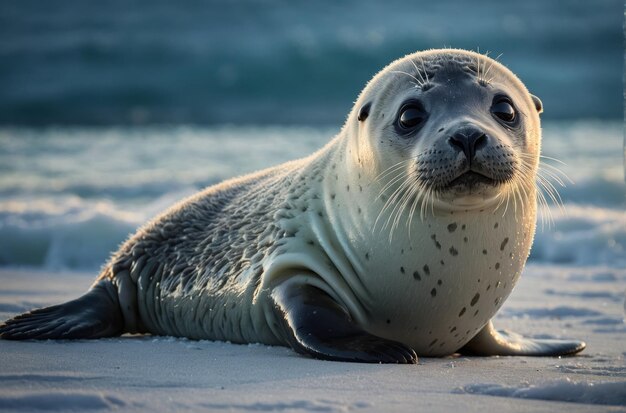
{"x": 68, "y": 232}
{"x": 582, "y": 235}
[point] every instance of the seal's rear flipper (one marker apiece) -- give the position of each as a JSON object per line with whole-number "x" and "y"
{"x": 490, "y": 342}
{"x": 96, "y": 314}
{"x": 314, "y": 324}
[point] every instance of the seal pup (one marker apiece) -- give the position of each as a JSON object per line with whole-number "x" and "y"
{"x": 402, "y": 236}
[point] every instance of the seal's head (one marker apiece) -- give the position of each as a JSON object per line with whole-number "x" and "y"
{"x": 462, "y": 129}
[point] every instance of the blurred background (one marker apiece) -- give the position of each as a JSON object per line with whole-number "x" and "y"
{"x": 111, "y": 111}
{"x": 284, "y": 62}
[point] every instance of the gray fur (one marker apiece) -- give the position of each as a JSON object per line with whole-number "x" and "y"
{"x": 230, "y": 262}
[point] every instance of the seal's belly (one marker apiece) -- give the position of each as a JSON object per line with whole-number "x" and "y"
{"x": 441, "y": 312}
{"x": 435, "y": 295}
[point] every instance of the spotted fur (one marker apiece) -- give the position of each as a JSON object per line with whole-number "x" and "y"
{"x": 368, "y": 221}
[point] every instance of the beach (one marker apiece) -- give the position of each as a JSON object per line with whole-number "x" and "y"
{"x": 60, "y": 220}
{"x": 164, "y": 374}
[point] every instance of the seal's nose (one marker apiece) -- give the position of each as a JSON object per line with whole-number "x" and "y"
{"x": 469, "y": 140}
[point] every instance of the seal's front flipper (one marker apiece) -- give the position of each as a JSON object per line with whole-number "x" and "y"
{"x": 314, "y": 324}
{"x": 490, "y": 342}
{"x": 96, "y": 314}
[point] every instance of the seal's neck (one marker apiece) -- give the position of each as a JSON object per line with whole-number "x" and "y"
{"x": 368, "y": 214}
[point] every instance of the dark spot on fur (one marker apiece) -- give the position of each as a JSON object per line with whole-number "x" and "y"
{"x": 453, "y": 329}
{"x": 452, "y": 227}
{"x": 504, "y": 243}
{"x": 426, "y": 270}
{"x": 442, "y": 263}
{"x": 388, "y": 321}
{"x": 488, "y": 287}
{"x": 475, "y": 313}
{"x": 347, "y": 187}
{"x": 462, "y": 312}
{"x": 433, "y": 292}
{"x": 464, "y": 239}
{"x": 497, "y": 265}
{"x": 417, "y": 276}
{"x": 433, "y": 343}
{"x": 484, "y": 252}
{"x": 463, "y": 227}
{"x": 475, "y": 299}
{"x": 496, "y": 225}
{"x": 453, "y": 251}
{"x": 402, "y": 270}
{"x": 434, "y": 238}
{"x": 367, "y": 255}
{"x": 439, "y": 282}
{"x": 332, "y": 196}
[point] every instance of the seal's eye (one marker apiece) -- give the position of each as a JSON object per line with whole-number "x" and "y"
{"x": 411, "y": 116}
{"x": 503, "y": 109}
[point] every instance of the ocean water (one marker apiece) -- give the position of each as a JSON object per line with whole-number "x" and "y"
{"x": 69, "y": 196}
{"x": 276, "y": 62}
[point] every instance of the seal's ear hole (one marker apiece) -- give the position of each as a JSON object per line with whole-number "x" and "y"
{"x": 538, "y": 104}
{"x": 364, "y": 112}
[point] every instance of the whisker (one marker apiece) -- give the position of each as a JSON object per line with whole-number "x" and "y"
{"x": 418, "y": 72}
{"x": 393, "y": 181}
{"x": 424, "y": 206}
{"x": 425, "y": 72}
{"x": 393, "y": 200}
{"x": 418, "y": 84}
{"x": 490, "y": 66}
{"x": 419, "y": 191}
{"x": 391, "y": 169}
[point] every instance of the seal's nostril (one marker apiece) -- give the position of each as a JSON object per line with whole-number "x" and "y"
{"x": 460, "y": 142}
{"x": 455, "y": 141}
{"x": 480, "y": 142}
{"x": 468, "y": 140}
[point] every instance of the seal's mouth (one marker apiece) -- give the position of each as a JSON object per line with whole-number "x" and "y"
{"x": 470, "y": 180}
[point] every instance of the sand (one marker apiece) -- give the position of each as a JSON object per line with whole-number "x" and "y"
{"x": 164, "y": 374}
